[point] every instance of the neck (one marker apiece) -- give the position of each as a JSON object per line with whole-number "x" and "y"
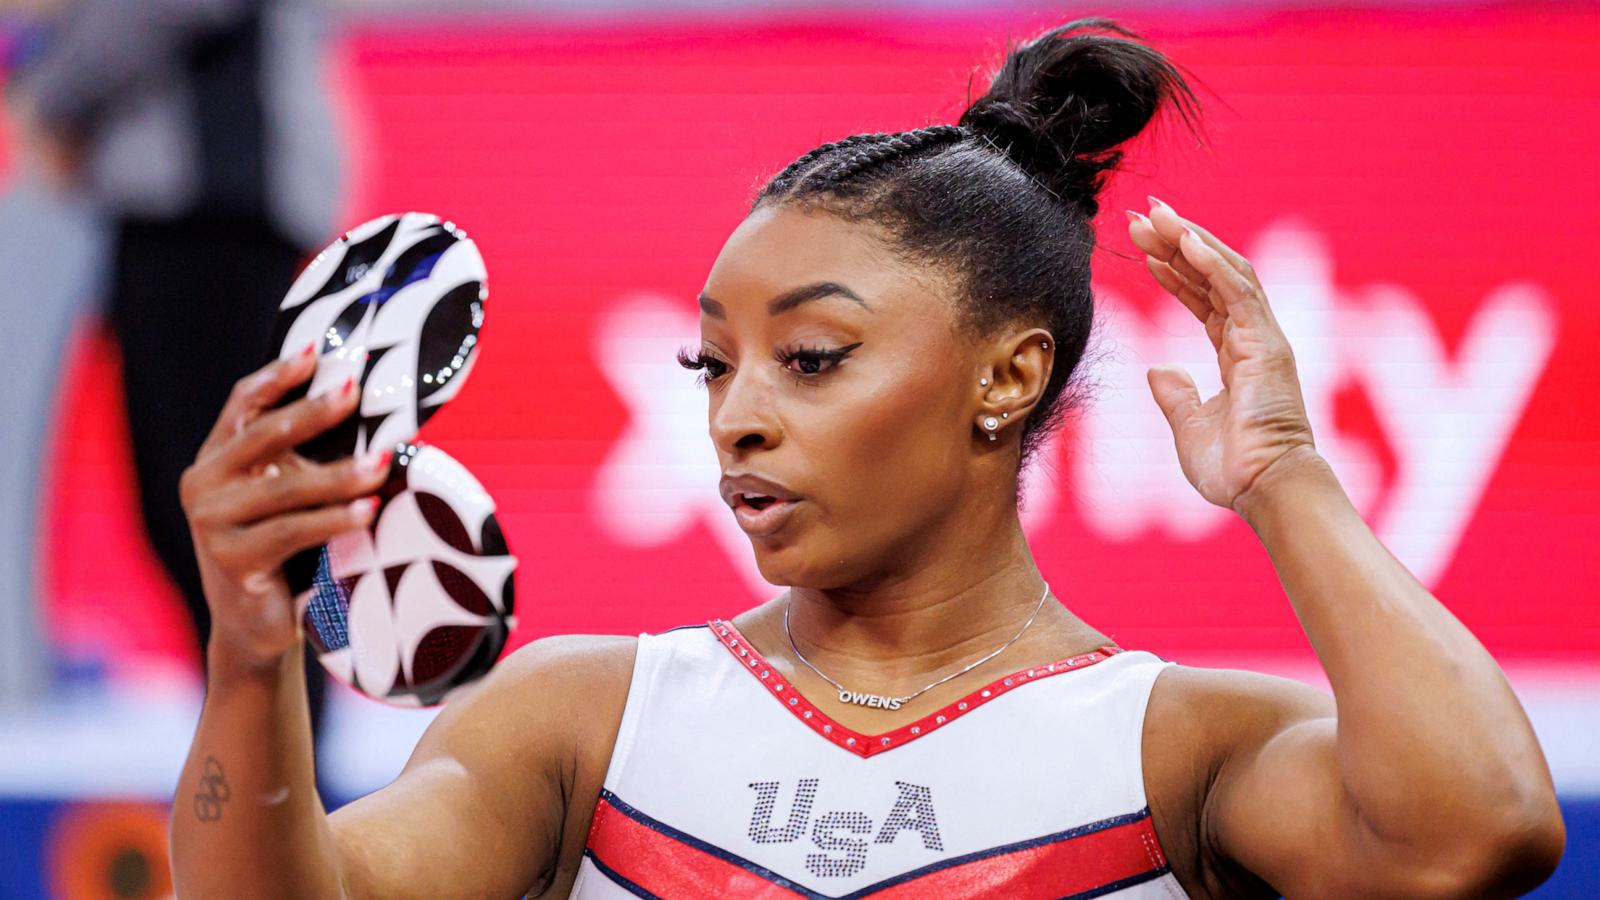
{"x": 925, "y": 620}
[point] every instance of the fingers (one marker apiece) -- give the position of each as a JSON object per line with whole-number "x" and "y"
{"x": 255, "y": 392}
{"x": 1245, "y": 302}
{"x": 267, "y": 544}
{"x": 271, "y": 434}
{"x": 1158, "y": 250}
{"x": 1175, "y": 393}
{"x": 245, "y": 501}
{"x": 1196, "y": 303}
{"x": 1170, "y": 226}
{"x": 1233, "y": 288}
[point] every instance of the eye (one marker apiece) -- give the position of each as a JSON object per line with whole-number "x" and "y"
{"x": 711, "y": 367}
{"x": 813, "y": 360}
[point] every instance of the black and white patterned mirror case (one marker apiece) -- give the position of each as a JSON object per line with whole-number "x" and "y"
{"x": 421, "y": 602}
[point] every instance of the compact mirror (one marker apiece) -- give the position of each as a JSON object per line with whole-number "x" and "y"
{"x": 420, "y": 602}
{"x": 397, "y": 303}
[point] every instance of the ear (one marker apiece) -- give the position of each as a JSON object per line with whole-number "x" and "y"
{"x": 1012, "y": 379}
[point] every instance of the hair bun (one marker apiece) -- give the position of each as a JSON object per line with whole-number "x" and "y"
{"x": 1062, "y": 103}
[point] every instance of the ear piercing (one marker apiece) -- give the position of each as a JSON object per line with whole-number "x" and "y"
{"x": 990, "y": 422}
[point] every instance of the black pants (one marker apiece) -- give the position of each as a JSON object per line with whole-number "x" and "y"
{"x": 192, "y": 305}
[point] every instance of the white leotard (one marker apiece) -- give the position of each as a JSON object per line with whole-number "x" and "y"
{"x": 725, "y": 782}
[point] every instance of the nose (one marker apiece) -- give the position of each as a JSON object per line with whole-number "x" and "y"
{"x": 742, "y": 414}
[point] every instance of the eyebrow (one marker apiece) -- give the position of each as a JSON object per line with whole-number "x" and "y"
{"x": 790, "y": 299}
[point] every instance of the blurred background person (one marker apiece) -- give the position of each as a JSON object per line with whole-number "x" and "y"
{"x": 201, "y": 133}
{"x": 52, "y": 246}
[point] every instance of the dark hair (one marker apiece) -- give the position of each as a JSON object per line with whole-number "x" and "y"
{"x": 1002, "y": 202}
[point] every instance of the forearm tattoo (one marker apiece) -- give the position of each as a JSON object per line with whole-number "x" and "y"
{"x": 213, "y": 792}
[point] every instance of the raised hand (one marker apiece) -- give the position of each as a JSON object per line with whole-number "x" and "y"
{"x": 1258, "y": 419}
{"x": 252, "y": 502}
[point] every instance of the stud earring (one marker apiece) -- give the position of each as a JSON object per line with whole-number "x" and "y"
{"x": 983, "y": 382}
{"x": 1045, "y": 344}
{"x": 1005, "y": 415}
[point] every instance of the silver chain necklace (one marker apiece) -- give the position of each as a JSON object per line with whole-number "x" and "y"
{"x": 879, "y": 701}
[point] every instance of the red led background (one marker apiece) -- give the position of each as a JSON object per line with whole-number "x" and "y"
{"x": 1445, "y": 156}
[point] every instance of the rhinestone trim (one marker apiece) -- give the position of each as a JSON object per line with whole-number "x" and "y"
{"x": 865, "y": 745}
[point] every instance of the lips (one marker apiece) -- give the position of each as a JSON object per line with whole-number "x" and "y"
{"x": 762, "y": 506}
{"x": 767, "y": 520}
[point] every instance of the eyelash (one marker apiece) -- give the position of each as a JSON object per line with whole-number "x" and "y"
{"x": 816, "y": 355}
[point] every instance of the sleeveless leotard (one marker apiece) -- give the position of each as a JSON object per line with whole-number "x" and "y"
{"x": 725, "y": 782}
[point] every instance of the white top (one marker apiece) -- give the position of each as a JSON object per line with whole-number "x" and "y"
{"x": 725, "y": 782}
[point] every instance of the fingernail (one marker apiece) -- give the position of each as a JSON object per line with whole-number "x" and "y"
{"x": 361, "y": 510}
{"x": 309, "y": 347}
{"x": 1135, "y": 216}
{"x": 1155, "y": 201}
{"x": 1190, "y": 232}
{"x": 349, "y": 383}
{"x": 374, "y": 461}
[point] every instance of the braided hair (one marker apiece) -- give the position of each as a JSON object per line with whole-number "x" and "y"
{"x": 845, "y": 164}
{"x": 1002, "y": 202}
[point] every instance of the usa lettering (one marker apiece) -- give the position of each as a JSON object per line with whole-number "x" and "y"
{"x": 843, "y": 836}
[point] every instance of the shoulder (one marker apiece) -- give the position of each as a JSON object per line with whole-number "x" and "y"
{"x": 596, "y": 661}
{"x": 1200, "y": 722}
{"x": 1227, "y": 707}
{"x": 500, "y": 764}
{"x": 563, "y": 693}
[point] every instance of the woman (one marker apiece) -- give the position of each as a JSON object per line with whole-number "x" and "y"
{"x": 886, "y": 338}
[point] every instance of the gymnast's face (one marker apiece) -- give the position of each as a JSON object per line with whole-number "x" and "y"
{"x": 836, "y": 370}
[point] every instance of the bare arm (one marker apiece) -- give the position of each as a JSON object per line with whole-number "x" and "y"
{"x": 478, "y": 810}
{"x": 1428, "y": 781}
{"x": 486, "y": 798}
{"x": 247, "y": 819}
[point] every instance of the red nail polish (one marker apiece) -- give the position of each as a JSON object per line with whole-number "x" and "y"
{"x": 348, "y": 384}
{"x": 309, "y": 347}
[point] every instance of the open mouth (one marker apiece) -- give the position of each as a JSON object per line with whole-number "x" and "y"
{"x": 762, "y": 514}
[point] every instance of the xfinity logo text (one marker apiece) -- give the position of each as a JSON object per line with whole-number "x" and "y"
{"x": 1445, "y": 417}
